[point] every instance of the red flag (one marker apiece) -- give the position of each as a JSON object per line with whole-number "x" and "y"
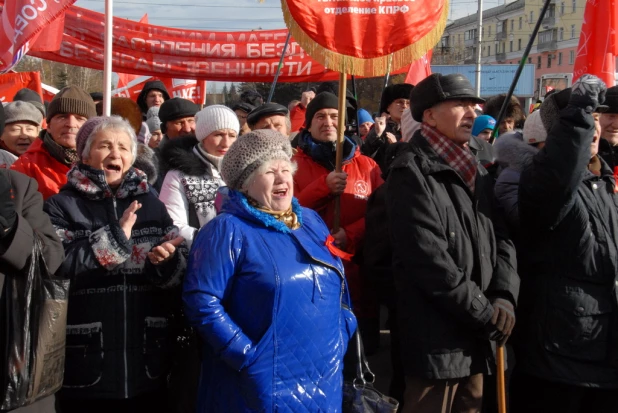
{"x": 597, "y": 49}
{"x": 419, "y": 69}
{"x": 50, "y": 39}
{"x": 193, "y": 90}
{"x": 22, "y": 21}
{"x": 11, "y": 83}
{"x": 144, "y": 19}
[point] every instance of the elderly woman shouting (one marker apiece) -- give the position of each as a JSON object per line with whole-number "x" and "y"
{"x": 122, "y": 255}
{"x": 266, "y": 295}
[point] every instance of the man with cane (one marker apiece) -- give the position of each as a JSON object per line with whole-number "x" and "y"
{"x": 454, "y": 266}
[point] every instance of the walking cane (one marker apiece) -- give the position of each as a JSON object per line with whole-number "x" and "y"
{"x": 500, "y": 385}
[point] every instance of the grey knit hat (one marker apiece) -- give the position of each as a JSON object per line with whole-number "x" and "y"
{"x": 21, "y": 111}
{"x": 152, "y": 119}
{"x": 250, "y": 151}
{"x": 213, "y": 118}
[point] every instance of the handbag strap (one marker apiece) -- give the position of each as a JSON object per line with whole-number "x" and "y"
{"x": 364, "y": 374}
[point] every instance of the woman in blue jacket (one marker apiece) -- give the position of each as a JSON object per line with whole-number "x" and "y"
{"x": 265, "y": 293}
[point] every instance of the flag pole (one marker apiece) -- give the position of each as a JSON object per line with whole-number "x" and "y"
{"x": 340, "y": 137}
{"x": 355, "y": 98}
{"x": 272, "y": 87}
{"x": 107, "y": 59}
{"x": 522, "y": 63}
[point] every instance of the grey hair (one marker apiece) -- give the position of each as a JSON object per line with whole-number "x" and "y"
{"x": 114, "y": 123}
{"x": 262, "y": 169}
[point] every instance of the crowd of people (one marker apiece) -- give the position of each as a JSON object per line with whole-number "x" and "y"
{"x": 219, "y": 261}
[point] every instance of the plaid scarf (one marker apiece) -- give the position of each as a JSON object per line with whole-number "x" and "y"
{"x": 458, "y": 158}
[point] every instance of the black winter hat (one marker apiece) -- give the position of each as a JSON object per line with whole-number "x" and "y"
{"x": 96, "y": 95}
{"x": 176, "y": 108}
{"x": 251, "y": 97}
{"x": 1, "y": 118}
{"x": 392, "y": 93}
{"x": 29, "y": 95}
{"x": 244, "y": 106}
{"x": 611, "y": 100}
{"x": 148, "y": 86}
{"x": 438, "y": 88}
{"x": 267, "y": 109}
{"x": 324, "y": 100}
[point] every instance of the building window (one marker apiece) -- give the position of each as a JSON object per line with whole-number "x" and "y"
{"x": 574, "y": 5}
{"x": 511, "y": 46}
{"x": 489, "y": 50}
{"x": 521, "y": 23}
{"x": 562, "y": 8}
{"x": 549, "y": 61}
{"x": 531, "y": 16}
{"x": 488, "y": 31}
{"x": 561, "y": 34}
{"x": 572, "y": 57}
{"x": 512, "y": 25}
{"x": 529, "y": 60}
{"x": 538, "y": 62}
{"x": 518, "y": 44}
{"x": 572, "y": 31}
{"x": 560, "y": 59}
{"x": 459, "y": 38}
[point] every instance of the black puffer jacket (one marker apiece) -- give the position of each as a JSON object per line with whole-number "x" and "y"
{"x": 449, "y": 260}
{"x": 569, "y": 225}
{"x": 118, "y": 333}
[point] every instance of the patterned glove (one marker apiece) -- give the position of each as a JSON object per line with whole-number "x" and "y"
{"x": 588, "y": 92}
{"x": 8, "y": 216}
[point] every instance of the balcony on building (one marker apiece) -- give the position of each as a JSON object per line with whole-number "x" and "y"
{"x": 501, "y": 36}
{"x": 550, "y": 17}
{"x": 547, "y": 41}
{"x": 501, "y": 57}
{"x": 469, "y": 42}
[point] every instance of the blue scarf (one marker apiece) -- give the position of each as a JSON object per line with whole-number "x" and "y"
{"x": 325, "y": 153}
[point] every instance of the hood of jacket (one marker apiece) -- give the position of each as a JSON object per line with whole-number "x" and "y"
{"x": 91, "y": 183}
{"x": 514, "y": 153}
{"x": 177, "y": 154}
{"x": 147, "y": 162}
{"x": 154, "y": 84}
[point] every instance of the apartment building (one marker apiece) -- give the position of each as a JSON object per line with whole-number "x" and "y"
{"x": 506, "y": 31}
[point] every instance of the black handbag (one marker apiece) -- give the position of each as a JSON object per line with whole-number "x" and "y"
{"x": 359, "y": 395}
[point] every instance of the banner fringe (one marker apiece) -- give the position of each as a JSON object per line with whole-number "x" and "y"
{"x": 365, "y": 67}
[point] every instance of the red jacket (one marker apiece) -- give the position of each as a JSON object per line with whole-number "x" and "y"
{"x": 38, "y": 163}
{"x": 364, "y": 177}
{"x": 297, "y": 117}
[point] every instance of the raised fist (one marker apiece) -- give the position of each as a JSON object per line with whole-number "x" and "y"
{"x": 588, "y": 92}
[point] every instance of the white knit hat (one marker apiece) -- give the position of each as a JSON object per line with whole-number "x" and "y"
{"x": 214, "y": 118}
{"x": 534, "y": 130}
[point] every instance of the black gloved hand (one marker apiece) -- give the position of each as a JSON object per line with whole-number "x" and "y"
{"x": 588, "y": 92}
{"x": 8, "y": 216}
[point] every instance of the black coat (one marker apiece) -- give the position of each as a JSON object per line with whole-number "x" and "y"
{"x": 376, "y": 146}
{"x": 118, "y": 327}
{"x": 449, "y": 260}
{"x": 608, "y": 153}
{"x": 569, "y": 225}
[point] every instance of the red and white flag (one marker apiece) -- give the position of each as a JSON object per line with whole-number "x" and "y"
{"x": 194, "y": 90}
{"x": 419, "y": 69}
{"x": 598, "y": 46}
{"x": 22, "y": 22}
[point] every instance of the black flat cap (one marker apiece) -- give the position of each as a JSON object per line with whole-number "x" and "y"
{"x": 611, "y": 100}
{"x": 437, "y": 88}
{"x": 244, "y": 106}
{"x": 267, "y": 109}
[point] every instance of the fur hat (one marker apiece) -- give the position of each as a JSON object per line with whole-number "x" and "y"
{"x": 534, "y": 131}
{"x": 393, "y": 92}
{"x": 267, "y": 109}
{"x": 251, "y": 97}
{"x": 250, "y": 151}
{"x": 152, "y": 119}
{"x": 126, "y": 109}
{"x": 437, "y": 88}
{"x": 213, "y": 118}
{"x": 72, "y": 99}
{"x": 323, "y": 100}
{"x": 29, "y": 95}
{"x": 513, "y": 110}
{"x": 176, "y": 108}
{"x": 20, "y": 111}
{"x": 147, "y": 162}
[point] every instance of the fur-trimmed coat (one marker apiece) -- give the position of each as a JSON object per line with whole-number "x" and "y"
{"x": 190, "y": 186}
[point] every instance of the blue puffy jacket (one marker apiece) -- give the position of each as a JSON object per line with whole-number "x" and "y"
{"x": 271, "y": 307}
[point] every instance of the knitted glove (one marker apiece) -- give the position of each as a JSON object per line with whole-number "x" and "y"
{"x": 588, "y": 92}
{"x": 8, "y": 216}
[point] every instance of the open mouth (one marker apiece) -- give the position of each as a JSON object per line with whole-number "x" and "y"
{"x": 280, "y": 193}
{"x": 113, "y": 168}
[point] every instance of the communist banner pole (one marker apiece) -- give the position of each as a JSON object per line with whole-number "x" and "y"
{"x": 340, "y": 137}
{"x": 107, "y": 58}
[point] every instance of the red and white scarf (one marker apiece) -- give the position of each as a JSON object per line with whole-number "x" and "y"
{"x": 458, "y": 158}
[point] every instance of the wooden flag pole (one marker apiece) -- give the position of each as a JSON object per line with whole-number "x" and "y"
{"x": 500, "y": 384}
{"x": 340, "y": 137}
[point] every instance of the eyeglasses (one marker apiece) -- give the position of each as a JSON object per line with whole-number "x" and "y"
{"x": 402, "y": 102}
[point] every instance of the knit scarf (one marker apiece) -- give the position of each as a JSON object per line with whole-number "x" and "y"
{"x": 208, "y": 158}
{"x": 324, "y": 153}
{"x": 58, "y": 152}
{"x": 458, "y": 158}
{"x": 288, "y": 217}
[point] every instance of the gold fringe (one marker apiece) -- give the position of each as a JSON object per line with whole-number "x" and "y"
{"x": 365, "y": 67}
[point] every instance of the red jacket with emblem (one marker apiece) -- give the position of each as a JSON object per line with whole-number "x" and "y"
{"x": 38, "y": 164}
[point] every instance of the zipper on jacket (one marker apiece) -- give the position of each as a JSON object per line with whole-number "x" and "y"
{"x": 338, "y": 272}
{"x": 115, "y": 207}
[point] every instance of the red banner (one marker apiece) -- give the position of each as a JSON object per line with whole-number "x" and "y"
{"x": 11, "y": 83}
{"x": 194, "y": 90}
{"x": 597, "y": 49}
{"x": 22, "y": 22}
{"x": 145, "y": 49}
{"x": 334, "y": 31}
{"x": 420, "y": 69}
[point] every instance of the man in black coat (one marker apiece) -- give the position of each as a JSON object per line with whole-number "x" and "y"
{"x": 608, "y": 146}
{"x": 454, "y": 267}
{"x": 567, "y": 341}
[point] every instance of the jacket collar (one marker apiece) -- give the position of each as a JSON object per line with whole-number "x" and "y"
{"x": 91, "y": 183}
{"x": 324, "y": 152}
